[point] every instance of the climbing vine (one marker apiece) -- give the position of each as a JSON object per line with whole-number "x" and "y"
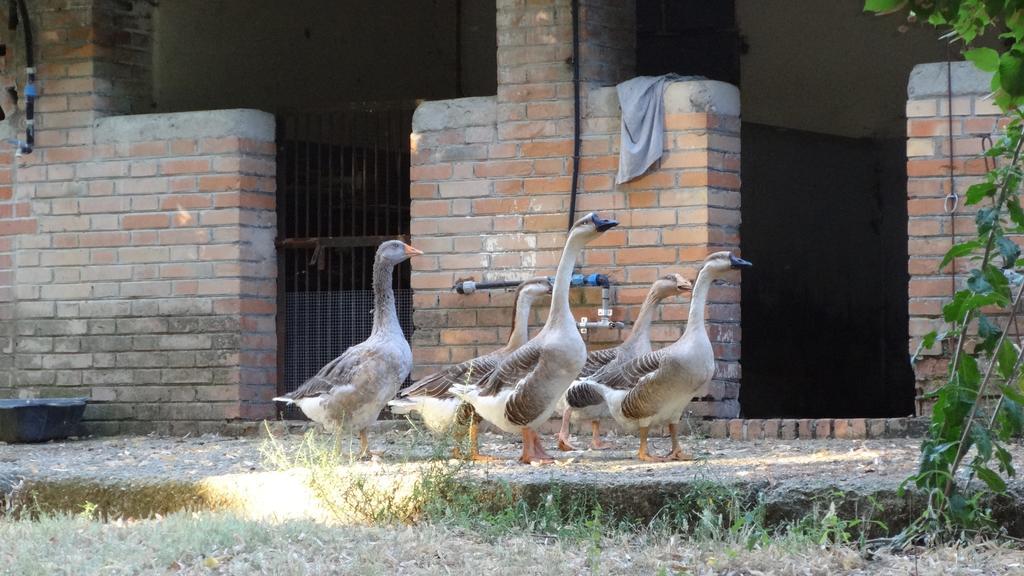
{"x": 980, "y": 404}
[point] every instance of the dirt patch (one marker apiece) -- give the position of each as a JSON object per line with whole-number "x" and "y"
{"x": 140, "y": 476}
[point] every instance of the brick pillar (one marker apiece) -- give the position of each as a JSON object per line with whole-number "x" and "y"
{"x": 143, "y": 262}
{"x": 930, "y": 227}
{"x": 491, "y": 180}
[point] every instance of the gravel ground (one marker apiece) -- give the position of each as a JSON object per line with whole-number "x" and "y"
{"x": 835, "y": 462}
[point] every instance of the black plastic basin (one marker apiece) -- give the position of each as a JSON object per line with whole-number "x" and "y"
{"x": 40, "y": 419}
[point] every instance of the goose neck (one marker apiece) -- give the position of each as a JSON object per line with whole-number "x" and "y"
{"x": 385, "y": 316}
{"x": 698, "y": 300}
{"x": 642, "y": 324}
{"x": 560, "y": 311}
{"x": 520, "y": 322}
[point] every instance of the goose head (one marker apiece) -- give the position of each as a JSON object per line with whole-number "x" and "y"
{"x": 395, "y": 252}
{"x": 591, "y": 226}
{"x": 670, "y": 285}
{"x": 534, "y": 288}
{"x": 719, "y": 263}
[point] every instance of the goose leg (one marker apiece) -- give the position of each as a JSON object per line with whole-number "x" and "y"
{"x": 540, "y": 454}
{"x": 563, "y": 433}
{"x": 643, "y": 454}
{"x": 530, "y": 449}
{"x": 595, "y": 433}
{"x": 527, "y": 456}
{"x": 364, "y": 444}
{"x": 677, "y": 452}
{"x": 474, "y": 442}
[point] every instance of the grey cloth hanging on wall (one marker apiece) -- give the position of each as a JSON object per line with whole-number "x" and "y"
{"x": 643, "y": 123}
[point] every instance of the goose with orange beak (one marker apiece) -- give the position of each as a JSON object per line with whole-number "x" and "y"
{"x": 349, "y": 392}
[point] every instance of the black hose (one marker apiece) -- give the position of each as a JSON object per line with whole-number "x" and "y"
{"x": 575, "y": 110}
{"x": 469, "y": 286}
{"x": 30, "y": 87}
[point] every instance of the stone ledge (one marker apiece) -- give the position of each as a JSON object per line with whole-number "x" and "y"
{"x": 456, "y": 113}
{"x": 240, "y": 123}
{"x": 685, "y": 97}
{"x": 929, "y": 80}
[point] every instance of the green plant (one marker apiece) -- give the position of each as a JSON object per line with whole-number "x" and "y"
{"x": 980, "y": 405}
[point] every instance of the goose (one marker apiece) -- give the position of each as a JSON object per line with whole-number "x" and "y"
{"x": 431, "y": 396}
{"x": 349, "y": 392}
{"x": 521, "y": 391}
{"x": 575, "y": 407}
{"x": 656, "y": 387}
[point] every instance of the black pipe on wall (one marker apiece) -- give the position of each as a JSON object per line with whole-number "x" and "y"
{"x": 28, "y": 144}
{"x": 575, "y": 110}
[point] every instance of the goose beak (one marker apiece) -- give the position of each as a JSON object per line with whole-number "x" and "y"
{"x": 410, "y": 251}
{"x": 739, "y": 262}
{"x": 602, "y": 224}
{"x": 683, "y": 284}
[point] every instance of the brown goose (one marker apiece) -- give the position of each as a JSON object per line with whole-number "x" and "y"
{"x": 350, "y": 391}
{"x": 521, "y": 392}
{"x": 431, "y": 396}
{"x": 656, "y": 387}
{"x": 576, "y": 406}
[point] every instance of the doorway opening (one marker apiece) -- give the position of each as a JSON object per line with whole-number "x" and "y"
{"x": 823, "y": 89}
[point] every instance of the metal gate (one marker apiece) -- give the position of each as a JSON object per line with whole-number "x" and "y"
{"x": 343, "y": 188}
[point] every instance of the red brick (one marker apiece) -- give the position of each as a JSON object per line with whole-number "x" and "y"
{"x": 185, "y": 201}
{"x": 547, "y": 148}
{"x": 694, "y": 121}
{"x": 503, "y": 169}
{"x": 137, "y": 221}
{"x": 185, "y": 166}
{"x": 156, "y": 148}
{"x": 14, "y": 227}
{"x": 219, "y": 183}
{"x": 550, "y": 185}
{"x": 646, "y": 255}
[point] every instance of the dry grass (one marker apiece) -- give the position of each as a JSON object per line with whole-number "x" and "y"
{"x": 227, "y": 544}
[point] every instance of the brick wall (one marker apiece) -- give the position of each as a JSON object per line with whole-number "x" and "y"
{"x": 930, "y": 226}
{"x": 491, "y": 180}
{"x": 136, "y": 252}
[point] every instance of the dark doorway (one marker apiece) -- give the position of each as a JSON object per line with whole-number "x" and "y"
{"x": 824, "y": 192}
{"x": 343, "y": 188}
{"x": 824, "y": 308}
{"x": 688, "y": 37}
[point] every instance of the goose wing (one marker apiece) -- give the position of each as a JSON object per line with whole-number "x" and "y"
{"x": 341, "y": 371}
{"x": 598, "y": 359}
{"x": 638, "y": 376}
{"x": 510, "y": 370}
{"x": 438, "y": 384}
{"x": 630, "y": 374}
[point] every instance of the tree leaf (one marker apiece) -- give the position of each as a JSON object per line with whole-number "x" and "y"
{"x": 979, "y": 192}
{"x": 929, "y": 340}
{"x": 1007, "y": 358}
{"x": 978, "y": 283}
{"x": 959, "y": 251}
{"x": 1011, "y": 72}
{"x": 1005, "y": 461}
{"x": 981, "y": 439}
{"x": 1012, "y": 394}
{"x": 1008, "y": 250}
{"x": 1016, "y": 213}
{"x": 994, "y": 482}
{"x": 954, "y": 310}
{"x": 985, "y": 59}
{"x": 883, "y": 6}
{"x": 986, "y": 218}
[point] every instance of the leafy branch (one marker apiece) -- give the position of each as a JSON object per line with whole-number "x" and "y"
{"x": 959, "y": 421}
